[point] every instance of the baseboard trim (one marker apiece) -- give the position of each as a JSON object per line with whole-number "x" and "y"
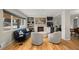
{"x": 65, "y": 39}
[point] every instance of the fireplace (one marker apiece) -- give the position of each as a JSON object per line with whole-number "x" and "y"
{"x": 40, "y": 29}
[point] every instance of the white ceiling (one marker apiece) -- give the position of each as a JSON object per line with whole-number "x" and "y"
{"x": 74, "y": 14}
{"x": 41, "y": 12}
{"x": 48, "y": 12}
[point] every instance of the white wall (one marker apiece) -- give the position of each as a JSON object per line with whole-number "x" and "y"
{"x": 78, "y": 23}
{"x": 6, "y": 37}
{"x": 57, "y": 20}
{"x": 39, "y": 25}
{"x": 1, "y": 19}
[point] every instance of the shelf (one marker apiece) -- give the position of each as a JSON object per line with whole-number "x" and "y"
{"x": 30, "y": 23}
{"x": 49, "y": 21}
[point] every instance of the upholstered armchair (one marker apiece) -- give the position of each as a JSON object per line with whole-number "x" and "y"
{"x": 55, "y": 37}
{"x": 37, "y": 38}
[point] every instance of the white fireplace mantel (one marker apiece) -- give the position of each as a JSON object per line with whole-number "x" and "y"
{"x": 40, "y": 25}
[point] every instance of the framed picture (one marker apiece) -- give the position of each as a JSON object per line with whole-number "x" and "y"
{"x": 40, "y": 20}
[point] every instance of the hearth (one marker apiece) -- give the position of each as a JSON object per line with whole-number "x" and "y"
{"x": 40, "y": 29}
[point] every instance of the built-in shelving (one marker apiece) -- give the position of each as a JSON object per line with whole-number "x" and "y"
{"x": 34, "y": 22}
{"x": 30, "y": 23}
{"x": 50, "y": 23}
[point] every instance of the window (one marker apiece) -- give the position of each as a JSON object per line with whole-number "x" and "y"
{"x": 7, "y": 24}
{"x": 7, "y": 21}
{"x": 12, "y": 21}
{"x": 16, "y": 22}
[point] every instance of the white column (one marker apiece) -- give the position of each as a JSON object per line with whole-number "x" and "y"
{"x": 25, "y": 25}
{"x": 11, "y": 22}
{"x": 78, "y": 22}
{"x": 35, "y": 26}
{"x": 21, "y": 23}
{"x": 26, "y": 22}
{"x": 65, "y": 22}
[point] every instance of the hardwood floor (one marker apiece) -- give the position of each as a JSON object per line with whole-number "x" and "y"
{"x": 64, "y": 45}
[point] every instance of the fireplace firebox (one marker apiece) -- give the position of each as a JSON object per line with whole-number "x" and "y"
{"x": 40, "y": 29}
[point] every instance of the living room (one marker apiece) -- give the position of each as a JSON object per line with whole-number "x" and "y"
{"x": 39, "y": 29}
